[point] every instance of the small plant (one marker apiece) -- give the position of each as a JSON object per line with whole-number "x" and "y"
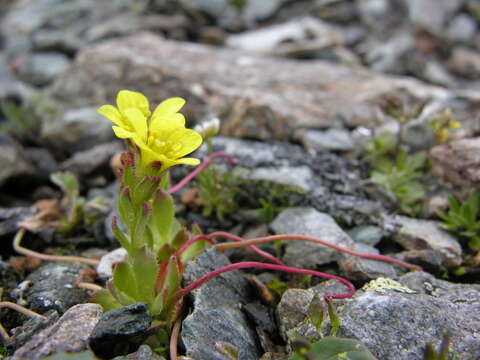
{"x": 328, "y": 347}
{"x": 442, "y": 354}
{"x": 442, "y": 124}
{"x": 217, "y": 192}
{"x": 23, "y": 122}
{"x": 464, "y": 218}
{"x": 397, "y": 171}
{"x": 72, "y": 201}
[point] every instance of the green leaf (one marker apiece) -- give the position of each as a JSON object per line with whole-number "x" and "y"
{"x": 120, "y": 235}
{"x": 334, "y": 319}
{"x": 194, "y": 250}
{"x": 157, "y": 305}
{"x": 126, "y": 209}
{"x": 163, "y": 213}
{"x": 316, "y": 314}
{"x": 145, "y": 271}
{"x": 333, "y": 348}
{"x": 418, "y": 160}
{"x": 106, "y": 300}
{"x": 401, "y": 160}
{"x": 67, "y": 181}
{"x": 453, "y": 204}
{"x": 165, "y": 252}
{"x": 139, "y": 229}
{"x": 124, "y": 280}
{"x": 145, "y": 189}
{"x": 172, "y": 278}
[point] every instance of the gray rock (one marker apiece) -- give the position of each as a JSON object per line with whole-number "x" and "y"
{"x": 10, "y": 217}
{"x": 88, "y": 161}
{"x": 249, "y": 93}
{"x": 328, "y": 140}
{"x": 372, "y": 11}
{"x": 77, "y": 129}
{"x": 416, "y": 234}
{"x": 43, "y": 160}
{"x": 294, "y": 307}
{"x": 436, "y": 73}
{"x": 13, "y": 160}
{"x": 255, "y": 11}
{"x": 143, "y": 353}
{"x": 308, "y": 221}
{"x": 69, "y": 334}
{"x": 459, "y": 162}
{"x": 41, "y": 68}
{"x": 72, "y": 18}
{"x": 432, "y": 15}
{"x": 56, "y": 40}
{"x": 10, "y": 87}
{"x": 21, "y": 335}
{"x": 386, "y": 56}
{"x": 366, "y": 234}
{"x": 356, "y": 268}
{"x": 216, "y": 312}
{"x": 299, "y": 176}
{"x": 465, "y": 62}
{"x": 53, "y": 287}
{"x": 396, "y": 323}
{"x": 288, "y": 38}
{"x": 120, "y": 331}
{"x": 462, "y": 28}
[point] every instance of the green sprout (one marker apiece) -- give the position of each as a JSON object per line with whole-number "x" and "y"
{"x": 464, "y": 218}
{"x": 328, "y": 347}
{"x": 218, "y": 192}
{"x": 23, "y": 121}
{"x": 397, "y": 174}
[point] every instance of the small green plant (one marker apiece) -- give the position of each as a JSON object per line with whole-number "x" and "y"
{"x": 464, "y": 218}
{"x": 397, "y": 171}
{"x": 23, "y": 122}
{"x": 328, "y": 347}
{"x": 442, "y": 354}
{"x": 218, "y": 192}
{"x": 72, "y": 200}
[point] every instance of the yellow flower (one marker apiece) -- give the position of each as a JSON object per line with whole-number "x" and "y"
{"x": 163, "y": 138}
{"x": 168, "y": 140}
{"x": 454, "y": 124}
{"x": 130, "y": 117}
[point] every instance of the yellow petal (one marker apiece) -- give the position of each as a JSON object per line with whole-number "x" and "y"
{"x": 112, "y": 114}
{"x": 188, "y": 161}
{"x": 454, "y": 124}
{"x": 138, "y": 122}
{"x": 162, "y": 126}
{"x": 122, "y": 133}
{"x": 169, "y": 106}
{"x": 183, "y": 141}
{"x": 127, "y": 99}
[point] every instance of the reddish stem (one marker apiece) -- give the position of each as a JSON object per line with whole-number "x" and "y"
{"x": 174, "y": 339}
{"x": 198, "y": 170}
{"x": 192, "y": 240}
{"x": 251, "y": 264}
{"x": 265, "y": 239}
{"x": 239, "y": 239}
{"x": 226, "y": 235}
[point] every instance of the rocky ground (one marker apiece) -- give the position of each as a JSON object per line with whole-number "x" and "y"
{"x": 299, "y": 88}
